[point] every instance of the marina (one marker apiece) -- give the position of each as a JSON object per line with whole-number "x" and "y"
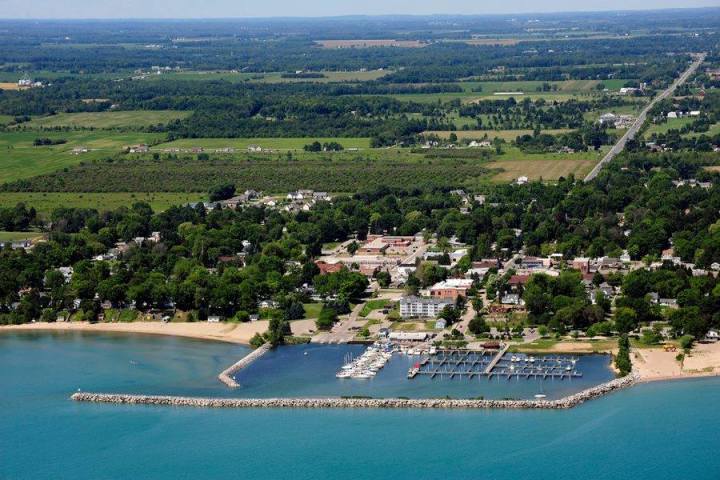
{"x": 489, "y": 363}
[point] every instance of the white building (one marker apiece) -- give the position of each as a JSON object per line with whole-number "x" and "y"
{"x": 419, "y": 307}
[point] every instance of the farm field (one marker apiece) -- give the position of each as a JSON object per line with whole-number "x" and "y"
{"x": 46, "y": 202}
{"x": 271, "y": 143}
{"x": 670, "y": 124}
{"x": 9, "y": 86}
{"x": 539, "y": 169}
{"x": 132, "y": 119}
{"x": 5, "y": 119}
{"x": 20, "y": 159}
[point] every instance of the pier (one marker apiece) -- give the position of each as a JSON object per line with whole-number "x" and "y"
{"x": 226, "y": 375}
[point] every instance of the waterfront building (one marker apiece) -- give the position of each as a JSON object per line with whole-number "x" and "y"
{"x": 420, "y": 307}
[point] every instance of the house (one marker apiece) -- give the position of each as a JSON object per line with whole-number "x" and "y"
{"x": 512, "y": 299}
{"x": 326, "y": 268}
{"x": 521, "y": 180}
{"x": 213, "y": 319}
{"x": 672, "y": 115}
{"x": 517, "y": 281}
{"x": 422, "y": 307}
{"x": 482, "y": 144}
{"x": 451, "y": 288}
{"x": 141, "y": 148}
{"x": 440, "y": 324}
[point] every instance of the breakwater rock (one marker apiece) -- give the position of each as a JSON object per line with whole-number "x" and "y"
{"x": 226, "y": 375}
{"x": 566, "y": 402}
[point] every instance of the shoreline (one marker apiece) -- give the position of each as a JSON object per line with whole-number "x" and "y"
{"x": 661, "y": 367}
{"x": 236, "y": 333}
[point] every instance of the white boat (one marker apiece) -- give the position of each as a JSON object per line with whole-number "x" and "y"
{"x": 540, "y": 395}
{"x": 531, "y": 359}
{"x": 433, "y": 350}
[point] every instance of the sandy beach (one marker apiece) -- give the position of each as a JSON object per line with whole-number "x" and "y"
{"x": 224, "y": 332}
{"x": 654, "y": 364}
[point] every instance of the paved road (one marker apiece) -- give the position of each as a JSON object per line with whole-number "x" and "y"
{"x": 632, "y": 131}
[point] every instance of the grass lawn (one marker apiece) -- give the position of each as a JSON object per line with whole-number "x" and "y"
{"x": 712, "y": 131}
{"x": 108, "y": 120}
{"x": 20, "y": 159}
{"x": 312, "y": 310}
{"x": 670, "y": 124}
{"x": 272, "y": 143}
{"x": 373, "y": 305}
{"x": 17, "y": 236}
{"x": 404, "y": 326}
{"x": 46, "y": 202}
{"x": 5, "y": 119}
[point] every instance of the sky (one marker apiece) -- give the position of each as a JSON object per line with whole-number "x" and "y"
{"x": 312, "y": 8}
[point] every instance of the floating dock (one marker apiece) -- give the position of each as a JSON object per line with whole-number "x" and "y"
{"x": 490, "y": 363}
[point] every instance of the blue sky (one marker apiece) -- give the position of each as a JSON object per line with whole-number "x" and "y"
{"x": 271, "y": 8}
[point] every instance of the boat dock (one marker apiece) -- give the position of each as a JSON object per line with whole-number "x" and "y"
{"x": 492, "y": 363}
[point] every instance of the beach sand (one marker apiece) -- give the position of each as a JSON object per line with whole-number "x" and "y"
{"x": 657, "y": 364}
{"x": 225, "y": 332}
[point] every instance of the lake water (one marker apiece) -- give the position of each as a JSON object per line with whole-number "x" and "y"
{"x": 652, "y": 431}
{"x": 309, "y": 371}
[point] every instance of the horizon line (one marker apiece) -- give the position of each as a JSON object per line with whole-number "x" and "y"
{"x": 362, "y": 15}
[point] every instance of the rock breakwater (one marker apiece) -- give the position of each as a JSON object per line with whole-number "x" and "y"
{"x": 226, "y": 375}
{"x": 563, "y": 403}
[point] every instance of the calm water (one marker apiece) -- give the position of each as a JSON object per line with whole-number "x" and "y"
{"x": 656, "y": 431}
{"x": 309, "y": 370}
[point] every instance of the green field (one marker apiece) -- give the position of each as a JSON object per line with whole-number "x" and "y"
{"x": 5, "y": 119}
{"x": 712, "y": 131}
{"x": 108, "y": 120}
{"x": 20, "y": 159}
{"x": 670, "y": 124}
{"x": 17, "y": 236}
{"x": 46, "y": 202}
{"x": 269, "y": 143}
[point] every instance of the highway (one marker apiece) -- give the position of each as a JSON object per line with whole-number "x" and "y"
{"x": 633, "y": 130}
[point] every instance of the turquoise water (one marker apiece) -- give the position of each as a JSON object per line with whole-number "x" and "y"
{"x": 653, "y": 431}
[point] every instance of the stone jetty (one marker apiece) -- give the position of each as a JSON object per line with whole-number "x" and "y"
{"x": 226, "y": 375}
{"x": 566, "y": 402}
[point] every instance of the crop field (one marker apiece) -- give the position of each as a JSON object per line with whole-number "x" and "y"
{"x": 46, "y": 202}
{"x": 269, "y": 143}
{"x": 20, "y": 159}
{"x": 132, "y": 119}
{"x": 507, "y": 135}
{"x": 370, "y": 43}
